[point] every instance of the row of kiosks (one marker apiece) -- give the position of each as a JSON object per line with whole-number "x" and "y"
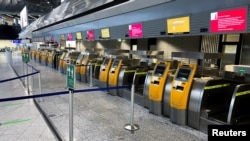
{"x": 221, "y": 101}
{"x": 104, "y": 71}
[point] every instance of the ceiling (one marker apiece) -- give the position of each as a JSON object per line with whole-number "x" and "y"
{"x": 36, "y": 8}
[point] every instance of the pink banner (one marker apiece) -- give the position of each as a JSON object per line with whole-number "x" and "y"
{"x": 70, "y": 37}
{"x": 90, "y": 34}
{"x": 135, "y": 30}
{"x": 228, "y": 20}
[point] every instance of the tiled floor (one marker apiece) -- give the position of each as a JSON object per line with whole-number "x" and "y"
{"x": 19, "y": 120}
{"x": 98, "y": 116}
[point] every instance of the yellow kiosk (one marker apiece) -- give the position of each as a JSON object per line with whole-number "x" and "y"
{"x": 78, "y": 65}
{"x": 84, "y": 65}
{"x": 179, "y": 95}
{"x": 44, "y": 56}
{"x": 104, "y": 71}
{"x": 50, "y": 58}
{"x": 61, "y": 61}
{"x": 114, "y": 74}
{"x": 156, "y": 86}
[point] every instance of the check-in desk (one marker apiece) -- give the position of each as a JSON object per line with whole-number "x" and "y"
{"x": 78, "y": 66}
{"x": 114, "y": 73}
{"x": 84, "y": 65}
{"x": 61, "y": 61}
{"x": 179, "y": 95}
{"x": 50, "y": 58}
{"x": 220, "y": 101}
{"x": 126, "y": 76}
{"x": 137, "y": 77}
{"x": 104, "y": 71}
{"x": 56, "y": 59}
{"x": 157, "y": 84}
{"x": 33, "y": 54}
{"x": 44, "y": 57}
{"x": 38, "y": 55}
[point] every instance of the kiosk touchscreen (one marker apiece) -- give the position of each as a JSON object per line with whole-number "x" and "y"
{"x": 104, "y": 71}
{"x": 156, "y": 87}
{"x": 179, "y": 94}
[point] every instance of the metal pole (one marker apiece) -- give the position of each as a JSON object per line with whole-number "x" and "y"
{"x": 40, "y": 86}
{"x": 131, "y": 126}
{"x": 27, "y": 79}
{"x": 70, "y": 115}
{"x": 90, "y": 77}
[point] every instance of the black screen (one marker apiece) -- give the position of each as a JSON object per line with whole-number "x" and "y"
{"x": 183, "y": 74}
{"x": 106, "y": 61}
{"x": 159, "y": 71}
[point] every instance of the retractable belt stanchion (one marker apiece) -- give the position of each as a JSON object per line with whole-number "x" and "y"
{"x": 27, "y": 84}
{"x": 131, "y": 126}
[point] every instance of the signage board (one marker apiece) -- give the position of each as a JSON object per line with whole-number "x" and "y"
{"x": 232, "y": 20}
{"x": 71, "y": 76}
{"x": 135, "y": 30}
{"x": 178, "y": 25}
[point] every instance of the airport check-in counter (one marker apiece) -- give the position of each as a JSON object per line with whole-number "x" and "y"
{"x": 157, "y": 83}
{"x": 38, "y": 55}
{"x": 96, "y": 71}
{"x": 114, "y": 73}
{"x": 84, "y": 65}
{"x": 139, "y": 80}
{"x": 56, "y": 59}
{"x": 126, "y": 75}
{"x": 104, "y": 71}
{"x": 61, "y": 61}
{"x": 72, "y": 56}
{"x": 50, "y": 58}
{"x": 92, "y": 64}
{"x": 179, "y": 95}
{"x": 44, "y": 57}
{"x": 221, "y": 101}
{"x": 78, "y": 66}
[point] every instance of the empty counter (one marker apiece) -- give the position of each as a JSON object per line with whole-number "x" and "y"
{"x": 104, "y": 71}
{"x": 78, "y": 66}
{"x": 139, "y": 80}
{"x": 84, "y": 65}
{"x": 179, "y": 95}
{"x": 156, "y": 86}
{"x": 220, "y": 101}
{"x": 126, "y": 75}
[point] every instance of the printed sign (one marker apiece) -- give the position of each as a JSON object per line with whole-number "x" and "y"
{"x": 90, "y": 34}
{"x": 71, "y": 76}
{"x": 105, "y": 33}
{"x": 135, "y": 30}
{"x": 178, "y": 25}
{"x": 228, "y": 20}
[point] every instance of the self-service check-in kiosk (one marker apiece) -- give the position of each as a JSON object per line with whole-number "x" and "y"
{"x": 84, "y": 65}
{"x": 96, "y": 71}
{"x": 61, "y": 61}
{"x": 179, "y": 95}
{"x": 220, "y": 100}
{"x": 78, "y": 66}
{"x": 44, "y": 57}
{"x": 157, "y": 84}
{"x": 104, "y": 71}
{"x": 71, "y": 57}
{"x": 38, "y": 55}
{"x": 51, "y": 57}
{"x": 114, "y": 74}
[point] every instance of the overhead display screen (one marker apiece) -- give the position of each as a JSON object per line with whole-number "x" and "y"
{"x": 178, "y": 25}
{"x": 90, "y": 34}
{"x": 135, "y": 30}
{"x": 228, "y": 20}
{"x": 105, "y": 33}
{"x": 79, "y": 35}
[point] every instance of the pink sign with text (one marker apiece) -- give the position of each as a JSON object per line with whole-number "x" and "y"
{"x": 135, "y": 30}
